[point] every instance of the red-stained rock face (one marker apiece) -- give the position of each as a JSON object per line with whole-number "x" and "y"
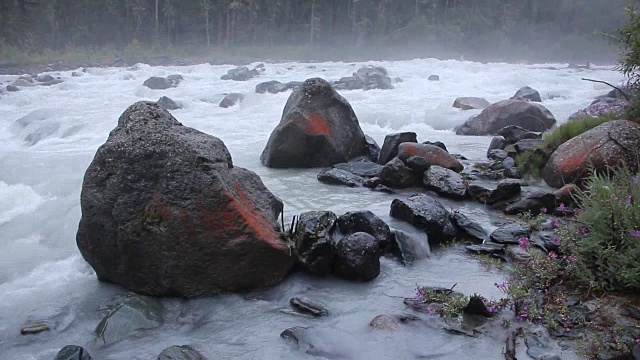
{"x": 165, "y": 213}
{"x": 318, "y": 129}
{"x": 433, "y": 154}
{"x": 608, "y": 145}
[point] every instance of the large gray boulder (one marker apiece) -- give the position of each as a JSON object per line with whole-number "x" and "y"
{"x": 527, "y": 115}
{"x": 608, "y": 145}
{"x": 165, "y": 212}
{"x": 318, "y": 129}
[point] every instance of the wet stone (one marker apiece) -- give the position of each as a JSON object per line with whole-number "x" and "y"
{"x": 509, "y": 234}
{"x": 469, "y": 227}
{"x": 73, "y": 352}
{"x": 339, "y": 177}
{"x": 184, "y": 352}
{"x": 384, "y": 322}
{"x": 308, "y": 307}
{"x": 492, "y": 249}
{"x": 360, "y": 168}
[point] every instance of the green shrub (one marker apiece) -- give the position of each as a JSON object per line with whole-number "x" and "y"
{"x": 608, "y": 241}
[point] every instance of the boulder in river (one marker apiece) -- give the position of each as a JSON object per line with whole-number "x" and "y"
{"x": 396, "y": 174}
{"x": 240, "y": 73}
{"x": 184, "y": 352}
{"x": 162, "y": 204}
{"x": 168, "y": 103}
{"x": 318, "y": 129}
{"x": 159, "y": 83}
{"x": 362, "y": 168}
{"x": 231, "y": 99}
{"x": 608, "y": 145}
{"x": 469, "y": 103}
{"x": 530, "y": 116}
{"x": 433, "y": 154}
{"x": 313, "y": 244}
{"x": 445, "y": 182}
{"x": 73, "y": 352}
{"x": 528, "y": 93}
{"x": 268, "y": 86}
{"x": 390, "y": 145}
{"x": 337, "y": 176}
{"x": 357, "y": 257}
{"x": 510, "y": 234}
{"x": 368, "y": 222}
{"x": 512, "y": 134}
{"x": 410, "y": 247}
{"x": 373, "y": 77}
{"x": 384, "y": 322}
{"x": 425, "y": 213}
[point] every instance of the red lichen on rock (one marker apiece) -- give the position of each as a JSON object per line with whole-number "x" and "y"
{"x": 316, "y": 125}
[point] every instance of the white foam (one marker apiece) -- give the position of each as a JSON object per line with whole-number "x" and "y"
{"x": 16, "y": 200}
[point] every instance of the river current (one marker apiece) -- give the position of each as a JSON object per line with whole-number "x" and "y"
{"x": 49, "y": 135}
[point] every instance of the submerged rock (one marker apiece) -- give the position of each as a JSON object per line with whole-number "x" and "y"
{"x": 231, "y": 99}
{"x": 318, "y": 129}
{"x": 128, "y": 316}
{"x": 528, "y": 93}
{"x": 73, "y": 352}
{"x": 162, "y": 202}
{"x": 184, "y": 352}
{"x": 34, "y": 329}
{"x": 530, "y": 116}
{"x": 533, "y": 202}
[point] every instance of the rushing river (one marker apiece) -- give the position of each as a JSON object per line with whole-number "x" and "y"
{"x": 43, "y": 158}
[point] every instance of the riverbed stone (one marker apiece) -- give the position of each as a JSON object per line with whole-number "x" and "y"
{"x": 445, "y": 182}
{"x": 365, "y": 169}
{"x": 390, "y": 145}
{"x": 396, "y": 174}
{"x": 417, "y": 164}
{"x": 534, "y": 202}
{"x": 168, "y": 103}
{"x": 384, "y": 322}
{"x": 608, "y": 145}
{"x": 530, "y": 116}
{"x": 469, "y": 103}
{"x": 183, "y": 352}
{"x": 372, "y": 147}
{"x": 425, "y": 213}
{"x": 497, "y": 143}
{"x": 231, "y": 100}
{"x": 368, "y": 222}
{"x": 433, "y": 154}
{"x": 528, "y": 93}
{"x": 73, "y": 352}
{"x": 312, "y": 241}
{"x": 268, "y": 86}
{"x": 158, "y": 83}
{"x": 357, "y": 257}
{"x": 339, "y": 177}
{"x": 491, "y": 249}
{"x": 127, "y": 316}
{"x": 469, "y": 227}
{"x": 512, "y": 134}
{"x": 506, "y": 189}
{"x": 306, "y": 306}
{"x": 510, "y": 234}
{"x": 318, "y": 129}
{"x": 162, "y": 202}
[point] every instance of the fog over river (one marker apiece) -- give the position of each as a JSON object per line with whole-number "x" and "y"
{"x": 44, "y": 155}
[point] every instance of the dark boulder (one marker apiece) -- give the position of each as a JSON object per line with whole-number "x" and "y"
{"x": 433, "y": 154}
{"x": 318, "y": 129}
{"x": 528, "y": 93}
{"x": 425, "y": 213}
{"x": 497, "y": 154}
{"x": 445, "y": 182}
{"x": 158, "y": 83}
{"x": 512, "y": 134}
{"x": 373, "y": 148}
{"x": 368, "y": 222}
{"x": 391, "y": 143}
{"x": 313, "y": 243}
{"x": 528, "y": 145}
{"x": 476, "y": 306}
{"x": 167, "y": 103}
{"x": 231, "y": 99}
{"x": 472, "y": 229}
{"x": 505, "y": 190}
{"x": 608, "y": 145}
{"x": 184, "y": 352}
{"x": 417, "y": 164}
{"x": 439, "y": 144}
{"x": 162, "y": 202}
{"x": 73, "y": 352}
{"x": 241, "y": 73}
{"x": 497, "y": 143}
{"x": 530, "y": 116}
{"x": 396, "y": 174}
{"x": 534, "y": 202}
{"x": 357, "y": 257}
{"x": 127, "y": 316}
{"x": 268, "y": 86}
{"x": 365, "y": 169}
{"x": 509, "y": 234}
{"x": 340, "y": 177}
{"x": 469, "y": 103}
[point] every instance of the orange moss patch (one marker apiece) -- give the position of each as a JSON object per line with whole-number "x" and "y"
{"x": 316, "y": 125}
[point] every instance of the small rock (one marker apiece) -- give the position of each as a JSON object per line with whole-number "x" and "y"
{"x": 12, "y": 88}
{"x": 167, "y": 103}
{"x": 373, "y": 148}
{"x": 469, "y": 103}
{"x": 231, "y": 99}
{"x": 307, "y": 307}
{"x": 533, "y": 202}
{"x": 392, "y": 142}
{"x": 439, "y": 144}
{"x": 433, "y": 154}
{"x": 509, "y": 234}
{"x": 497, "y": 154}
{"x": 471, "y": 228}
{"x": 445, "y": 182}
{"x": 368, "y": 222}
{"x": 512, "y": 134}
{"x": 498, "y": 142}
{"x": 433, "y": 78}
{"x": 313, "y": 245}
{"x": 425, "y": 213}
{"x": 396, "y": 174}
{"x": 496, "y": 250}
{"x": 339, "y": 177}
{"x": 357, "y": 257}
{"x": 365, "y": 169}
{"x": 384, "y": 322}
{"x": 34, "y": 329}
{"x": 527, "y": 145}
{"x": 158, "y": 83}
{"x": 506, "y": 189}
{"x": 476, "y": 307}
{"x": 268, "y": 86}
{"x": 528, "y": 94}
{"x": 44, "y": 78}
